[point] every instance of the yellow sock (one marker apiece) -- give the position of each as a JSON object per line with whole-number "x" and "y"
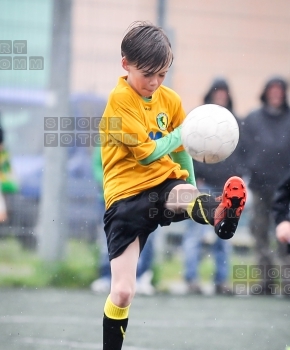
{"x": 115, "y": 312}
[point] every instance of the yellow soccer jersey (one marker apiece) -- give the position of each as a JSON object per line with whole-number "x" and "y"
{"x": 128, "y": 129}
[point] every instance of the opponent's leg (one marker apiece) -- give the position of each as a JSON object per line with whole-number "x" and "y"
{"x": 117, "y": 306}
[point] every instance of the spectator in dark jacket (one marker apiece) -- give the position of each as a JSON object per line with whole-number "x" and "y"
{"x": 215, "y": 175}
{"x": 266, "y": 144}
{"x": 281, "y": 210}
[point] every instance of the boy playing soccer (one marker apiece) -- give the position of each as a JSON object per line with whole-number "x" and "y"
{"x": 148, "y": 176}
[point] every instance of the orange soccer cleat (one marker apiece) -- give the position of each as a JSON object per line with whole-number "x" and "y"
{"x": 228, "y": 212}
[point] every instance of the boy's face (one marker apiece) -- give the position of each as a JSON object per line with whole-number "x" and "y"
{"x": 144, "y": 83}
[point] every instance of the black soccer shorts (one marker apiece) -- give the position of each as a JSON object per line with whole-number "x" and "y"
{"x": 139, "y": 215}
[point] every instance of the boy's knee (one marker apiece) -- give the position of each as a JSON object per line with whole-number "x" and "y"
{"x": 123, "y": 295}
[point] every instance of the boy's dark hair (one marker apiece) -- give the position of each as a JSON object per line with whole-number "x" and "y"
{"x": 147, "y": 47}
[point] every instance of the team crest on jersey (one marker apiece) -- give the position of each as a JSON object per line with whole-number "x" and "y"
{"x": 162, "y": 121}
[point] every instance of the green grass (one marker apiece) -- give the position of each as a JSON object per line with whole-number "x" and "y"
{"x": 20, "y": 267}
{"x": 23, "y": 268}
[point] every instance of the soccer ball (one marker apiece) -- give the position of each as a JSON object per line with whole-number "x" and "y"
{"x": 210, "y": 133}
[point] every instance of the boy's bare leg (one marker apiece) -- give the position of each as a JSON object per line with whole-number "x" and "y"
{"x": 117, "y": 306}
{"x": 180, "y": 197}
{"x": 124, "y": 269}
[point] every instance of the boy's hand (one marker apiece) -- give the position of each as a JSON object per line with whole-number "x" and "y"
{"x": 283, "y": 232}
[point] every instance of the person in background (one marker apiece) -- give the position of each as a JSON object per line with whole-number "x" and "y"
{"x": 210, "y": 179}
{"x": 145, "y": 264}
{"x": 265, "y": 145}
{"x": 3, "y": 208}
{"x": 281, "y": 212}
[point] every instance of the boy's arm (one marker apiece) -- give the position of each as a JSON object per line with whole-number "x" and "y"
{"x": 164, "y": 146}
{"x": 185, "y": 161}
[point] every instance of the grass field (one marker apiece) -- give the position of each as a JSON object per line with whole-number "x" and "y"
{"x": 61, "y": 319}
{"x": 35, "y": 315}
{"x": 20, "y": 267}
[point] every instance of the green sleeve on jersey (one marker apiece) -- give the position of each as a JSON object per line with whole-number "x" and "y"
{"x": 164, "y": 146}
{"x": 185, "y": 161}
